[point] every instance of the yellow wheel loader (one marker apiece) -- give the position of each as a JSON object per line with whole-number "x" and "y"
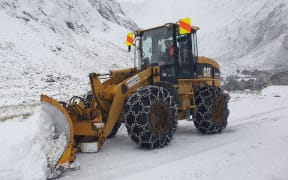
{"x": 166, "y": 85}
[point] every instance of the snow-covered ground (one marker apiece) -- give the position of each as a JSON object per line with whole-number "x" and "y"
{"x": 254, "y": 146}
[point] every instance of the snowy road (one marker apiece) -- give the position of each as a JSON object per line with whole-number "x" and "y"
{"x": 254, "y": 146}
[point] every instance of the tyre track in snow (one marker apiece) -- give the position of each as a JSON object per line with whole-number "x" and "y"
{"x": 243, "y": 121}
{"x": 120, "y": 157}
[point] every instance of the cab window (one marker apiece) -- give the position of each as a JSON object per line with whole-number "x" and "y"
{"x": 153, "y": 45}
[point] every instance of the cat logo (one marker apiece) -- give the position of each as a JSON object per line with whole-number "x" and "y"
{"x": 206, "y": 71}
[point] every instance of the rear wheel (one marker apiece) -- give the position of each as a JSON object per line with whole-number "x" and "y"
{"x": 150, "y": 117}
{"x": 211, "y": 110}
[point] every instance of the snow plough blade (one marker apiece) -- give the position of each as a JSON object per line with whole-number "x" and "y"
{"x": 62, "y": 154}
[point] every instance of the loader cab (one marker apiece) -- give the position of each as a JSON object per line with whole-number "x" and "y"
{"x": 175, "y": 54}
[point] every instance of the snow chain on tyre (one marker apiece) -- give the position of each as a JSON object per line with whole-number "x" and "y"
{"x": 211, "y": 111}
{"x": 150, "y": 117}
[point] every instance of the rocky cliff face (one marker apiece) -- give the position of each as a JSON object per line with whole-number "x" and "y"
{"x": 259, "y": 39}
{"x": 255, "y": 80}
{"x": 112, "y": 11}
{"x": 80, "y": 16}
{"x": 59, "y": 40}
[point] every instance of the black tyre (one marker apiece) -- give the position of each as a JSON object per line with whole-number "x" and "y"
{"x": 150, "y": 117}
{"x": 212, "y": 111}
{"x": 114, "y": 130}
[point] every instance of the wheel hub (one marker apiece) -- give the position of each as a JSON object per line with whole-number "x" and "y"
{"x": 218, "y": 110}
{"x": 160, "y": 117}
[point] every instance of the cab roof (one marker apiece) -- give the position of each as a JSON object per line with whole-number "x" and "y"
{"x": 139, "y": 31}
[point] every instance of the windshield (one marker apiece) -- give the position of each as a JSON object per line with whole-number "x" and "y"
{"x": 154, "y": 43}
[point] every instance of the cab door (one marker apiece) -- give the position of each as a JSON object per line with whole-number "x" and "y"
{"x": 187, "y": 56}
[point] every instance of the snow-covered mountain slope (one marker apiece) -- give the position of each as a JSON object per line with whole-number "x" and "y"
{"x": 112, "y": 11}
{"x": 240, "y": 34}
{"x": 46, "y": 41}
{"x": 253, "y": 147}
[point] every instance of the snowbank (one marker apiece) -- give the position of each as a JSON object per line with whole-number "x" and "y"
{"x": 28, "y": 144}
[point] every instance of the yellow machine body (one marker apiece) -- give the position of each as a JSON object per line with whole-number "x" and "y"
{"x": 95, "y": 122}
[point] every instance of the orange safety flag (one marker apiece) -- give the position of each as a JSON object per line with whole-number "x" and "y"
{"x": 185, "y": 26}
{"x": 130, "y": 39}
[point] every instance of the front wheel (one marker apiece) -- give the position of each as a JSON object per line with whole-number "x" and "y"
{"x": 150, "y": 117}
{"x": 211, "y": 110}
